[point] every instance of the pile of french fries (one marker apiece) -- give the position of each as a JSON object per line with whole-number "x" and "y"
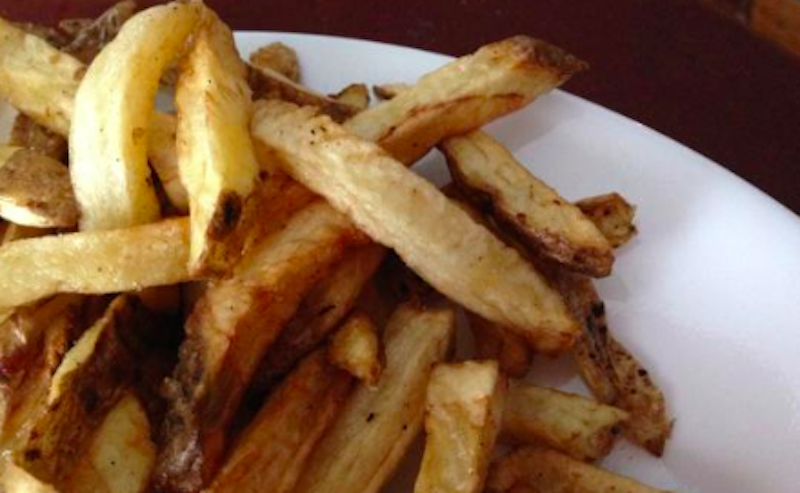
{"x": 257, "y": 293}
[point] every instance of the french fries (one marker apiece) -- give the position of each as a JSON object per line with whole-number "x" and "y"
{"x": 403, "y": 211}
{"x": 279, "y": 58}
{"x": 547, "y": 471}
{"x": 274, "y": 449}
{"x": 89, "y": 382}
{"x": 488, "y": 173}
{"x": 613, "y": 375}
{"x": 494, "y": 342}
{"x": 459, "y": 97}
{"x": 356, "y": 349}
{"x": 230, "y": 329}
{"x": 279, "y": 382}
{"x": 319, "y": 313}
{"x": 35, "y": 190}
{"x": 37, "y": 78}
{"x": 94, "y": 262}
{"x": 613, "y": 216}
{"x": 464, "y": 411}
{"x": 113, "y": 106}
{"x": 572, "y": 424}
{"x": 121, "y": 454}
{"x": 215, "y": 153}
{"x": 370, "y": 437}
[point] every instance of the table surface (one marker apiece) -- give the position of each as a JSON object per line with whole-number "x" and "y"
{"x": 673, "y": 65}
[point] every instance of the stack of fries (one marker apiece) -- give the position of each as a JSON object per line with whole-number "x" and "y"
{"x": 256, "y": 293}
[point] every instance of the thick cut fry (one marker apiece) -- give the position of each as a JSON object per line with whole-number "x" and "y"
{"x": 215, "y": 153}
{"x": 464, "y": 411}
{"x": 121, "y": 454}
{"x": 34, "y": 341}
{"x": 29, "y": 134}
{"x": 547, "y": 471}
{"x": 37, "y": 78}
{"x": 464, "y": 94}
{"x": 113, "y": 108}
{"x": 613, "y": 216}
{"x": 273, "y": 450}
{"x": 403, "y": 211}
{"x": 230, "y": 329}
{"x": 551, "y": 225}
{"x": 355, "y": 348}
{"x": 278, "y": 57}
{"x": 577, "y": 426}
{"x": 92, "y": 36}
{"x": 356, "y": 95}
{"x": 35, "y": 190}
{"x": 613, "y": 375}
{"x": 269, "y": 84}
{"x": 376, "y": 427}
{"x": 494, "y": 342}
{"x": 87, "y": 385}
{"x": 94, "y": 262}
{"x": 319, "y": 314}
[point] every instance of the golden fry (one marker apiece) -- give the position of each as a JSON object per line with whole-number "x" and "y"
{"x": 613, "y": 216}
{"x": 278, "y": 57}
{"x": 355, "y": 348}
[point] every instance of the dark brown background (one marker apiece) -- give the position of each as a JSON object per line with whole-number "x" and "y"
{"x": 673, "y": 65}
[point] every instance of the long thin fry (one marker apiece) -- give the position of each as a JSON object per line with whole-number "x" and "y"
{"x": 113, "y": 106}
{"x": 94, "y": 262}
{"x": 215, "y": 153}
{"x": 403, "y": 211}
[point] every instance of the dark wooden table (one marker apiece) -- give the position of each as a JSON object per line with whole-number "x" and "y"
{"x": 670, "y": 64}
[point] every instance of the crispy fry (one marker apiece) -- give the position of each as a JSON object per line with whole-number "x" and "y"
{"x": 613, "y": 375}
{"x": 35, "y": 190}
{"x": 37, "y": 78}
{"x": 463, "y": 414}
{"x": 495, "y": 342}
{"x": 34, "y": 340}
{"x": 278, "y": 57}
{"x": 94, "y": 262}
{"x": 90, "y": 37}
{"x": 356, "y": 95}
{"x": 319, "y": 314}
{"x": 577, "y": 426}
{"x": 269, "y": 84}
{"x": 552, "y": 226}
{"x": 27, "y": 133}
{"x": 230, "y": 329}
{"x": 273, "y": 451}
{"x": 215, "y": 153}
{"x": 121, "y": 453}
{"x": 374, "y": 430}
{"x": 355, "y": 348}
{"x": 464, "y": 94}
{"x": 405, "y": 212}
{"x": 88, "y": 383}
{"x": 113, "y": 106}
{"x": 613, "y": 216}
{"x": 547, "y": 471}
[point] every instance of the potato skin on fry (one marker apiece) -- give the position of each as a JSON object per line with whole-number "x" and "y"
{"x": 463, "y": 95}
{"x": 489, "y": 175}
{"x": 401, "y": 210}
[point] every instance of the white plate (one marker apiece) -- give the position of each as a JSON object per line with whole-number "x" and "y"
{"x": 706, "y": 295}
